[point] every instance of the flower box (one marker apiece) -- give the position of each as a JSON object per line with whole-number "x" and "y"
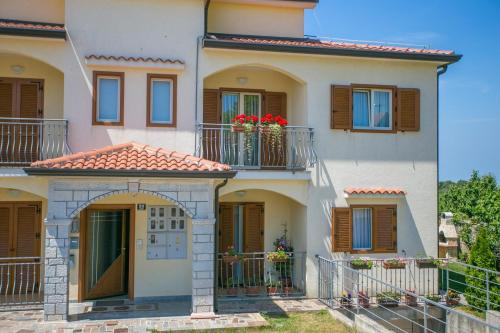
{"x": 388, "y": 299}
{"x": 410, "y": 299}
{"x": 241, "y": 129}
{"x": 230, "y": 259}
{"x": 360, "y": 266}
{"x": 394, "y": 265}
{"x": 452, "y": 301}
{"x": 253, "y": 290}
{"x": 426, "y": 263}
{"x": 232, "y": 291}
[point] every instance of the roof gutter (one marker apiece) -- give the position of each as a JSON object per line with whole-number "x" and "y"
{"x": 207, "y": 5}
{"x": 216, "y": 238}
{"x": 33, "y": 33}
{"x": 224, "y": 44}
{"x": 129, "y": 173}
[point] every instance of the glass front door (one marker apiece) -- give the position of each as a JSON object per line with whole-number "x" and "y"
{"x": 106, "y": 253}
{"x": 240, "y": 149}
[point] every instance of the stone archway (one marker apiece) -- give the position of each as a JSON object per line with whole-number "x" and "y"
{"x": 67, "y": 197}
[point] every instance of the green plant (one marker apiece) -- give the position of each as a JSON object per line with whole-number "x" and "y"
{"x": 275, "y": 126}
{"x": 482, "y": 256}
{"x": 434, "y": 298}
{"x": 388, "y": 297}
{"x": 279, "y": 255}
{"x": 273, "y": 283}
{"x": 361, "y": 263}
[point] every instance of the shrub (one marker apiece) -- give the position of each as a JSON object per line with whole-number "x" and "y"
{"x": 481, "y": 256}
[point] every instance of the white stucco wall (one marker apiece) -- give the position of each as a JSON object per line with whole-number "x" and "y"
{"x": 256, "y": 20}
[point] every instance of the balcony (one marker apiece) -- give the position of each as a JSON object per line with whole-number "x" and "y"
{"x": 293, "y": 150}
{"x": 26, "y": 140}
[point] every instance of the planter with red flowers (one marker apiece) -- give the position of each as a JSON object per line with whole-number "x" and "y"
{"x": 248, "y": 126}
{"x": 231, "y": 256}
{"x": 272, "y": 127}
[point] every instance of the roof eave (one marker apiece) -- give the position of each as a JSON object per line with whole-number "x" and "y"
{"x": 34, "y": 171}
{"x": 33, "y": 33}
{"x": 222, "y": 44}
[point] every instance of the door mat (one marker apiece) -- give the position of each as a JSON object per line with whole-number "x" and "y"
{"x": 120, "y": 308}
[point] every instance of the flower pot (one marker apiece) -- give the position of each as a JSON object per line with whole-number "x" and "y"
{"x": 253, "y": 290}
{"x": 410, "y": 300}
{"x": 230, "y": 259}
{"x": 361, "y": 266}
{"x": 346, "y": 302}
{"x": 452, "y": 301}
{"x": 265, "y": 130}
{"x": 426, "y": 263}
{"x": 287, "y": 290}
{"x": 363, "y": 300}
{"x": 272, "y": 290}
{"x": 241, "y": 129}
{"x": 388, "y": 303}
{"x": 400, "y": 265}
{"x": 232, "y": 291}
{"x": 278, "y": 260}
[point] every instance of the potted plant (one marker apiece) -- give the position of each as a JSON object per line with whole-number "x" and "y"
{"x": 394, "y": 263}
{"x": 253, "y": 288}
{"x": 388, "y": 299}
{"x": 231, "y": 256}
{"x": 452, "y": 298}
{"x": 410, "y": 300}
{"x": 277, "y": 256}
{"x": 424, "y": 262}
{"x": 346, "y": 299}
{"x": 364, "y": 299}
{"x": 361, "y": 263}
{"x": 273, "y": 286}
{"x": 231, "y": 287}
{"x": 244, "y": 123}
{"x": 434, "y": 298}
{"x": 273, "y": 127}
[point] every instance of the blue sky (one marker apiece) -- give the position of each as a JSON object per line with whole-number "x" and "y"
{"x": 470, "y": 90}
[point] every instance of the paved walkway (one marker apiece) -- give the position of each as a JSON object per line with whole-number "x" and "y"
{"x": 233, "y": 314}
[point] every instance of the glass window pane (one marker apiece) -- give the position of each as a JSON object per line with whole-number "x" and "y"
{"x": 161, "y": 109}
{"x": 361, "y": 109}
{"x": 381, "y": 106}
{"x": 362, "y": 228}
{"x": 108, "y": 96}
{"x": 251, "y": 105}
{"x": 230, "y": 107}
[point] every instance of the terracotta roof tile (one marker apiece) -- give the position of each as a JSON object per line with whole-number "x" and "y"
{"x": 132, "y": 156}
{"x": 374, "y": 190}
{"x": 14, "y": 24}
{"x": 134, "y": 59}
{"x": 326, "y": 44}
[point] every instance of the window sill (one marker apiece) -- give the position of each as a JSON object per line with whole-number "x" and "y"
{"x": 367, "y": 130}
{"x": 98, "y": 123}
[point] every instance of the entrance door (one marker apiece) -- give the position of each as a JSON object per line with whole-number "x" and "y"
{"x": 240, "y": 149}
{"x": 19, "y": 237}
{"x": 20, "y": 98}
{"x": 107, "y": 252}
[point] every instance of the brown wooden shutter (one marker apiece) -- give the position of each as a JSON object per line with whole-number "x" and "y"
{"x": 254, "y": 228}
{"x": 341, "y": 107}
{"x": 29, "y": 102}
{"x": 226, "y": 227}
{"x": 211, "y": 133}
{"x": 408, "y": 109}
{"x": 274, "y": 104}
{"x": 6, "y": 230}
{"x": 385, "y": 228}
{"x": 26, "y": 230}
{"x": 341, "y": 229}
{"x": 6, "y": 99}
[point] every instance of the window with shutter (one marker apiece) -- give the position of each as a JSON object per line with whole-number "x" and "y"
{"x": 341, "y": 229}
{"x": 211, "y": 133}
{"x": 341, "y": 107}
{"x": 385, "y": 228}
{"x": 226, "y": 229}
{"x": 408, "y": 109}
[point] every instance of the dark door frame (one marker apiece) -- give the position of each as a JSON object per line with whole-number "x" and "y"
{"x": 82, "y": 254}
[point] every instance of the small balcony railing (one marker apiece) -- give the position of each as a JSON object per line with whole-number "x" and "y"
{"x": 292, "y": 150}
{"x": 254, "y": 275}
{"x": 21, "y": 282}
{"x": 26, "y": 140}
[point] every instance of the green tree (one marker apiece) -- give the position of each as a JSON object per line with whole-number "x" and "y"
{"x": 482, "y": 256}
{"x": 475, "y": 204}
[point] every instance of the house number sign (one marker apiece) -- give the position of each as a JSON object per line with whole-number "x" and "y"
{"x": 167, "y": 237}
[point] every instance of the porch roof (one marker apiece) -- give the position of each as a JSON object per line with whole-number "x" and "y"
{"x": 374, "y": 190}
{"x": 326, "y": 47}
{"x": 131, "y": 159}
{"x": 32, "y": 29}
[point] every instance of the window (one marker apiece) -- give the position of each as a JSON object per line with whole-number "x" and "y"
{"x": 108, "y": 98}
{"x": 365, "y": 229}
{"x": 162, "y": 100}
{"x": 362, "y": 229}
{"x": 372, "y": 109}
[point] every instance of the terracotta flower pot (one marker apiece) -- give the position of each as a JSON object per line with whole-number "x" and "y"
{"x": 410, "y": 300}
{"x": 426, "y": 263}
{"x": 400, "y": 265}
{"x": 253, "y": 290}
{"x": 364, "y": 300}
{"x": 452, "y": 301}
{"x": 233, "y": 291}
{"x": 272, "y": 290}
{"x": 230, "y": 259}
{"x": 241, "y": 129}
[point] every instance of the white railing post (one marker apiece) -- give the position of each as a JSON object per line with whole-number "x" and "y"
{"x": 487, "y": 291}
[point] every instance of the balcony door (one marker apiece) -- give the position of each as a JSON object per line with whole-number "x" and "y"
{"x": 240, "y": 149}
{"x": 20, "y": 98}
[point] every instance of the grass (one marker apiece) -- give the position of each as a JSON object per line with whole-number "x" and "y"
{"x": 299, "y": 322}
{"x": 472, "y": 311}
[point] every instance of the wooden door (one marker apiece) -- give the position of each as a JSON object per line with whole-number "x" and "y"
{"x": 253, "y": 244}
{"x": 106, "y": 253}
{"x": 19, "y": 138}
{"x": 226, "y": 227}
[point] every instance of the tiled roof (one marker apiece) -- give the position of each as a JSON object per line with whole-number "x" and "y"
{"x": 132, "y": 157}
{"x": 134, "y": 59}
{"x": 374, "y": 190}
{"x": 31, "y": 25}
{"x": 309, "y": 44}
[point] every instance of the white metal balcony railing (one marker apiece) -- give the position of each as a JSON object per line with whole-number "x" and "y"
{"x": 21, "y": 282}
{"x": 293, "y": 150}
{"x": 26, "y": 140}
